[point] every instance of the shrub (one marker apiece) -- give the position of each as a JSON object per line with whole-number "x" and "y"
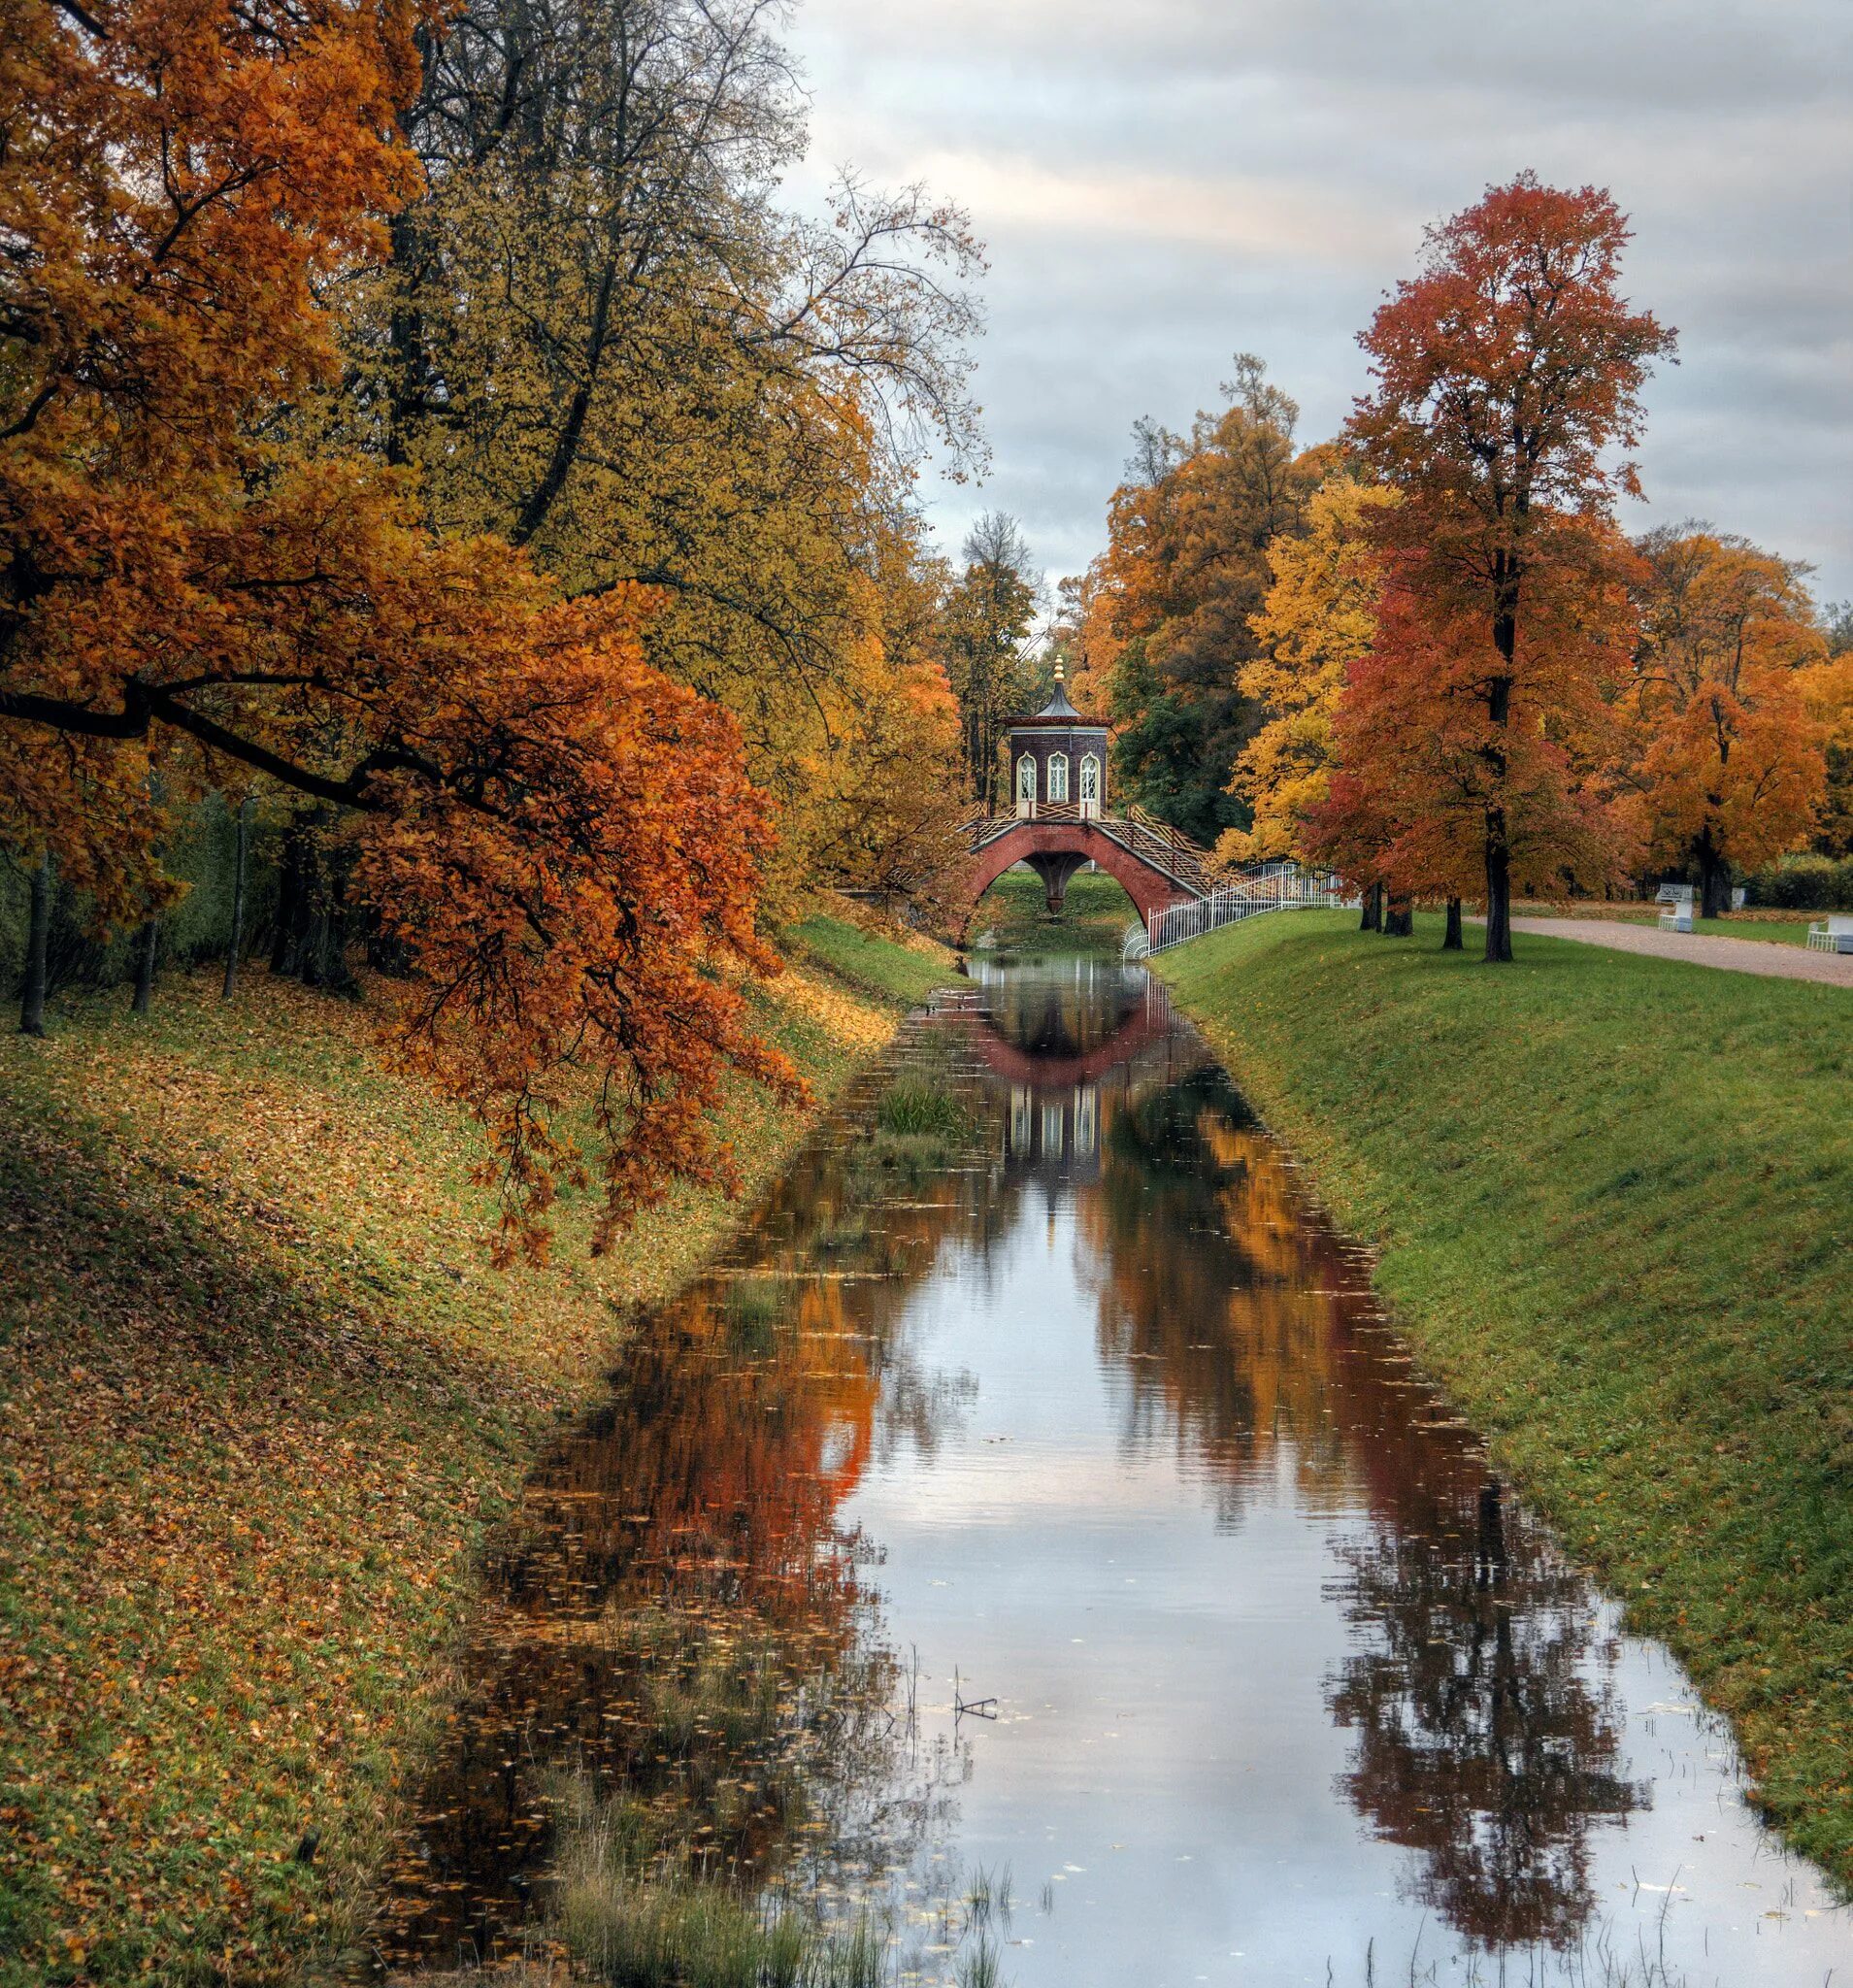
{"x": 1803, "y": 883}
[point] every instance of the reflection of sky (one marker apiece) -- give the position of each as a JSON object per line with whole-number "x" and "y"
{"x": 1163, "y": 1754}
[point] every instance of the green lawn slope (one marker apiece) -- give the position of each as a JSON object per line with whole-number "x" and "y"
{"x": 1614, "y": 1202}
{"x": 261, "y": 1395}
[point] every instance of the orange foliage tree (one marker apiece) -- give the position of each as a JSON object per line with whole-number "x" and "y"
{"x": 562, "y": 842}
{"x": 1828, "y": 689}
{"x": 1505, "y": 373}
{"x": 1730, "y": 768}
{"x": 1169, "y": 606}
{"x": 1414, "y": 781}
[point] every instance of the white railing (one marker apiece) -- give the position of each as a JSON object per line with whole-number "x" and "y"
{"x": 1273, "y": 887}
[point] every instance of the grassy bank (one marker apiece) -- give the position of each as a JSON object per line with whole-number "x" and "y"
{"x": 870, "y": 962}
{"x": 1614, "y": 1201}
{"x": 262, "y": 1393}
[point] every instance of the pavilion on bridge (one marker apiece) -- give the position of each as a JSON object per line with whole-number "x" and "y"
{"x": 1058, "y": 762}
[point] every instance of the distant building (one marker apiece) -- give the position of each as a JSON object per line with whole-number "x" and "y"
{"x": 1058, "y": 761}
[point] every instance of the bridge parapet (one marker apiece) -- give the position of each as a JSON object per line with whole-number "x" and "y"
{"x": 1142, "y": 836}
{"x": 1153, "y": 864}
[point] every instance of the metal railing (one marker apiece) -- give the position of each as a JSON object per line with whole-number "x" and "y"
{"x": 1272, "y": 887}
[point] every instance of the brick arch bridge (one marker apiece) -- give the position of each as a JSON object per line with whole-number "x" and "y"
{"x": 1155, "y": 865}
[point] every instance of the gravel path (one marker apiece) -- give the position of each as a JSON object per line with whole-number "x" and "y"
{"x": 1765, "y": 956}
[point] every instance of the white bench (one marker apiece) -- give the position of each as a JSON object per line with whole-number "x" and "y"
{"x": 1677, "y": 918}
{"x": 1674, "y": 894}
{"x": 1831, "y": 934}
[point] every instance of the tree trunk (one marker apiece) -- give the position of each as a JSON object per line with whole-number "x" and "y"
{"x": 1371, "y": 918}
{"x": 146, "y": 943}
{"x": 1499, "y": 709}
{"x": 292, "y": 899}
{"x": 240, "y": 864}
{"x": 1399, "y": 919}
{"x": 1714, "y": 880}
{"x": 1499, "y": 896}
{"x": 1452, "y": 941}
{"x": 38, "y": 947}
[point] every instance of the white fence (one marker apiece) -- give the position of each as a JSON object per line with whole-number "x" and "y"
{"x": 1273, "y": 887}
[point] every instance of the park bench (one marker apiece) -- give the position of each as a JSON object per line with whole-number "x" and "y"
{"x": 1832, "y": 933}
{"x": 1674, "y": 894}
{"x": 1678, "y": 917}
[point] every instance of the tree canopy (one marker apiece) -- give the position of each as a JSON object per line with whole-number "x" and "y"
{"x": 393, "y": 410}
{"x": 1171, "y": 604}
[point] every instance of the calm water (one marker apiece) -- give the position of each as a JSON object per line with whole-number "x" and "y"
{"x": 1039, "y": 1459}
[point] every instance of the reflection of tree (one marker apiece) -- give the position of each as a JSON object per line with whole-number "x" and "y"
{"x": 676, "y": 1612}
{"x": 1481, "y": 1743}
{"x": 1241, "y": 1332}
{"x": 1219, "y": 1301}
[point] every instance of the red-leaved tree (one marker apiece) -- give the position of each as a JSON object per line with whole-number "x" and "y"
{"x": 1506, "y": 372}
{"x": 196, "y": 592}
{"x": 1418, "y": 770}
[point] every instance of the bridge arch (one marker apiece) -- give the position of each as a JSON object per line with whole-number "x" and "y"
{"x": 1056, "y": 850}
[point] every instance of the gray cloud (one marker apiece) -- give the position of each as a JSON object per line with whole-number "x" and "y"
{"x": 1163, "y": 185}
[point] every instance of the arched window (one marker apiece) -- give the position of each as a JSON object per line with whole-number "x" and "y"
{"x": 1058, "y": 775}
{"x": 1090, "y": 778}
{"x": 1026, "y": 779}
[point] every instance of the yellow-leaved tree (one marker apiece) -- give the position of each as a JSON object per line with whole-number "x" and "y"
{"x": 1320, "y": 618}
{"x": 603, "y": 337}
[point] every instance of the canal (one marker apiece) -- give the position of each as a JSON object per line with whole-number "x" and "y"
{"x": 1031, "y": 1555}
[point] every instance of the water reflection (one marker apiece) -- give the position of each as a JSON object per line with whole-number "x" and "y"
{"x": 1039, "y": 1369}
{"x": 1489, "y": 1738}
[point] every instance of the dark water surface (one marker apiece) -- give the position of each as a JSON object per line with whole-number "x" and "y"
{"x": 1039, "y": 1467}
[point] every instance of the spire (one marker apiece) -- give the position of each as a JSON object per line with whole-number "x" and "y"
{"x": 1058, "y": 705}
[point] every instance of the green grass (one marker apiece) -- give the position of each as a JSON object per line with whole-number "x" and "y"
{"x": 261, "y": 1396}
{"x": 1015, "y": 911}
{"x": 1614, "y": 1202}
{"x": 869, "y": 962}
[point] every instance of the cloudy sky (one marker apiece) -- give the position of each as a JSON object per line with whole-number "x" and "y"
{"x": 1164, "y": 182}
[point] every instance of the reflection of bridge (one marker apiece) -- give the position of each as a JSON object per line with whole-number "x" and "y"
{"x": 1155, "y": 865}
{"x": 1070, "y": 1050}
{"x": 1150, "y": 1021}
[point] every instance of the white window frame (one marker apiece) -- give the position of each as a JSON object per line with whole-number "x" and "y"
{"x": 1057, "y": 777}
{"x": 1090, "y": 782}
{"x": 1026, "y": 782}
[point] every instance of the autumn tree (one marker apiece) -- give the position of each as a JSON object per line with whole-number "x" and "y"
{"x": 1728, "y": 771}
{"x": 1829, "y": 690}
{"x": 1506, "y": 374}
{"x": 1184, "y": 574}
{"x": 887, "y": 792}
{"x": 1319, "y": 618}
{"x": 1412, "y": 781}
{"x": 987, "y": 614}
{"x": 601, "y": 336}
{"x": 196, "y": 586}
